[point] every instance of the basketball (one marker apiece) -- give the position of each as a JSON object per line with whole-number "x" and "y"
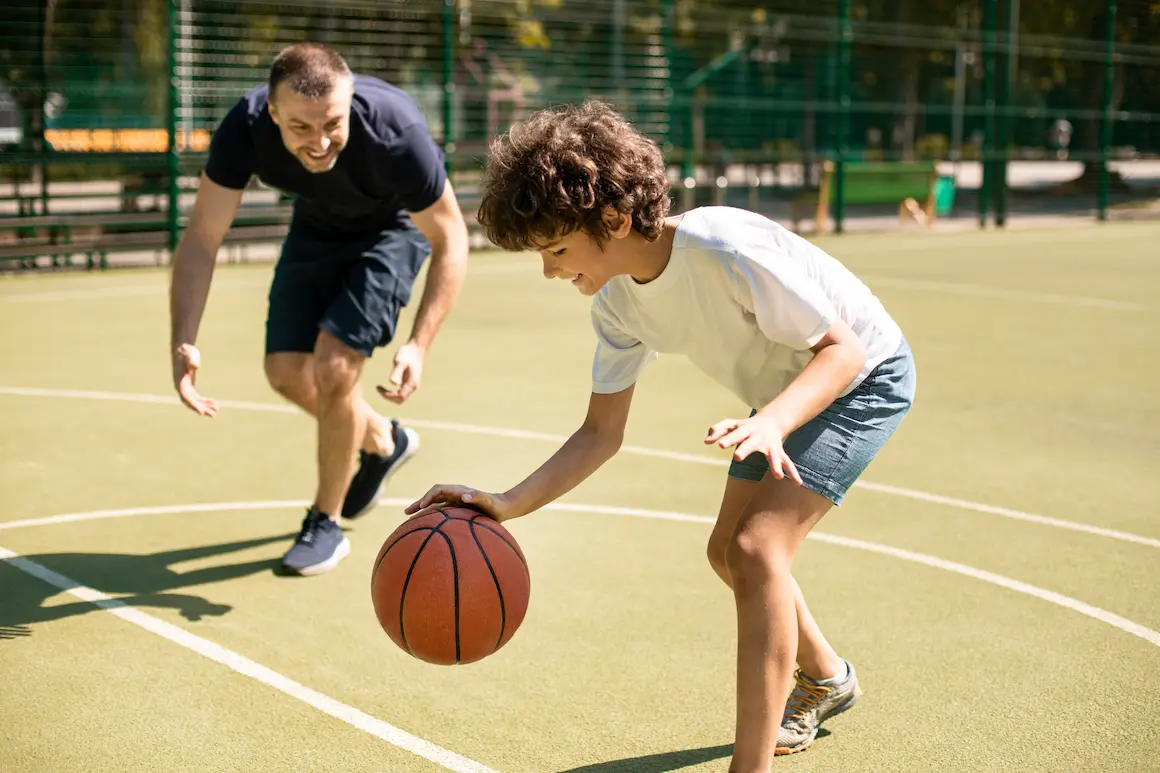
{"x": 450, "y": 586}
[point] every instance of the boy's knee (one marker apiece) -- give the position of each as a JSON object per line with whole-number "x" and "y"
{"x": 752, "y": 558}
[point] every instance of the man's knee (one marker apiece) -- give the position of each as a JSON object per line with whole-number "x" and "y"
{"x": 337, "y": 367}
{"x": 716, "y": 552}
{"x": 289, "y": 373}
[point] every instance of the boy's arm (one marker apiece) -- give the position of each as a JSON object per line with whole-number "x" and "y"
{"x": 597, "y": 441}
{"x": 838, "y": 359}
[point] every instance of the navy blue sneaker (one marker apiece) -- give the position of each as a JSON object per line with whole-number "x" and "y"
{"x": 319, "y": 547}
{"x": 374, "y": 471}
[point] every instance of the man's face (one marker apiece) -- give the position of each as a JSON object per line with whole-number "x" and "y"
{"x": 314, "y": 130}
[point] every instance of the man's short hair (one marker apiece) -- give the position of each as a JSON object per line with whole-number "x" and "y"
{"x": 309, "y": 70}
{"x": 557, "y": 172}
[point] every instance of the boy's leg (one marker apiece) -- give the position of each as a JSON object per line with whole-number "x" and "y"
{"x": 815, "y": 656}
{"x": 758, "y": 557}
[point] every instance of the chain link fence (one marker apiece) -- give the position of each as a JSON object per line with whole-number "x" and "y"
{"x": 827, "y": 115}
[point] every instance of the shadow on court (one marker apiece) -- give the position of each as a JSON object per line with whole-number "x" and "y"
{"x": 658, "y": 763}
{"x": 136, "y": 581}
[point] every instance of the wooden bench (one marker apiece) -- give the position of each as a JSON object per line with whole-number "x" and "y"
{"x": 910, "y": 186}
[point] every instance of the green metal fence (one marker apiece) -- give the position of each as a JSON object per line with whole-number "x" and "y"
{"x": 996, "y": 108}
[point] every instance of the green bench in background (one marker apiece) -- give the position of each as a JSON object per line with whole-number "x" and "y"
{"x": 915, "y": 188}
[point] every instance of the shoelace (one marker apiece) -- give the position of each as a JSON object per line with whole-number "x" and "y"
{"x": 310, "y": 526}
{"x": 804, "y": 698}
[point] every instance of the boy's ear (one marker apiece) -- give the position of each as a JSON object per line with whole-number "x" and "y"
{"x": 618, "y": 223}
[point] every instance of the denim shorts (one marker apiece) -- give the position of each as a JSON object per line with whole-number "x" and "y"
{"x": 831, "y": 450}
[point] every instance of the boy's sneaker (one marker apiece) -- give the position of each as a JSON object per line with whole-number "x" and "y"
{"x": 319, "y": 547}
{"x": 809, "y": 705}
{"x": 374, "y": 471}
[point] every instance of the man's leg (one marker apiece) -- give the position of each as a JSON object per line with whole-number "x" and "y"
{"x": 291, "y": 374}
{"x": 321, "y": 543}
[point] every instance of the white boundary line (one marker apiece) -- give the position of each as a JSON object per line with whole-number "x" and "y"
{"x": 880, "y": 488}
{"x": 1096, "y": 613}
{"x": 1000, "y": 293}
{"x": 243, "y": 665}
{"x": 480, "y": 268}
{"x": 116, "y": 291}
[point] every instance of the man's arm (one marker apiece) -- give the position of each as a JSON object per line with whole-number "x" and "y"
{"x": 442, "y": 224}
{"x": 193, "y": 265}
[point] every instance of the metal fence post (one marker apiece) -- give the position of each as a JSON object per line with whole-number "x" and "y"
{"x": 1106, "y": 117}
{"x": 171, "y": 129}
{"x": 448, "y": 85}
{"x": 845, "y": 33}
{"x": 986, "y": 163}
{"x": 1004, "y": 55}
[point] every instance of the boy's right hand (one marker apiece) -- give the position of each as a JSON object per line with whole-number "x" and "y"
{"x": 186, "y": 361}
{"x": 443, "y": 495}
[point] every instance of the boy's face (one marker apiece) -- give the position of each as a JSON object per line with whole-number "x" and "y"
{"x": 580, "y": 259}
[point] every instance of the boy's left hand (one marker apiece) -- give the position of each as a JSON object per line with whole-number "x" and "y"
{"x": 755, "y": 434}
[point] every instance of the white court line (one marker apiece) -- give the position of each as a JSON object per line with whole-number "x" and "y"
{"x": 984, "y": 291}
{"x": 1096, "y": 613}
{"x": 117, "y": 291}
{"x": 656, "y": 453}
{"x": 243, "y": 665}
{"x": 68, "y": 295}
{"x": 901, "y": 283}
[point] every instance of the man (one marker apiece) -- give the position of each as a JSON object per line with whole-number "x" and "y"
{"x": 372, "y": 202}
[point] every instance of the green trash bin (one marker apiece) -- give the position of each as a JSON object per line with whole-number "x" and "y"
{"x": 944, "y": 195}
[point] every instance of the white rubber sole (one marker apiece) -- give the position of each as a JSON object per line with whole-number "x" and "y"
{"x": 341, "y": 552}
{"x": 412, "y": 449}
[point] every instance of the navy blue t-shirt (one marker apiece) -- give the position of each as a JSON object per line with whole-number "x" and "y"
{"x": 389, "y": 166}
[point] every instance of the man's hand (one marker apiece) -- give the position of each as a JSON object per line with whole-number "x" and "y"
{"x": 186, "y": 361}
{"x": 756, "y": 434}
{"x": 407, "y": 374}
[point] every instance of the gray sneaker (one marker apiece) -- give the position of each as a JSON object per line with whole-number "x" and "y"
{"x": 809, "y": 705}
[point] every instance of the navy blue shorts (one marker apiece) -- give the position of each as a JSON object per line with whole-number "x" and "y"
{"x": 352, "y": 288}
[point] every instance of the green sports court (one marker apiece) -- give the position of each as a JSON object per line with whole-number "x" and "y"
{"x": 995, "y": 576}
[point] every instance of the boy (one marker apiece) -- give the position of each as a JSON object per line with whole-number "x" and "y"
{"x": 372, "y": 201}
{"x": 774, "y": 319}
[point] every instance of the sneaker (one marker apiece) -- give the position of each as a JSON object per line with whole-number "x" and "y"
{"x": 374, "y": 471}
{"x": 809, "y": 705}
{"x": 319, "y": 547}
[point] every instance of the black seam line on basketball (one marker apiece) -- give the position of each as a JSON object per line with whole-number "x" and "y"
{"x": 406, "y": 582}
{"x": 454, "y": 581}
{"x": 510, "y": 544}
{"x": 495, "y": 579}
{"x": 399, "y": 539}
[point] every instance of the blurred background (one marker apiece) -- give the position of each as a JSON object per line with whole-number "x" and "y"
{"x": 827, "y": 115}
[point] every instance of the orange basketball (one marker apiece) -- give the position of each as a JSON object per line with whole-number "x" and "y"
{"x": 450, "y": 586}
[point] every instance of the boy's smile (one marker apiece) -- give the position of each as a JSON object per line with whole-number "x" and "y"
{"x": 579, "y": 258}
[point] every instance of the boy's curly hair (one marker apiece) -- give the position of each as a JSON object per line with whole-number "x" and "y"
{"x": 557, "y": 171}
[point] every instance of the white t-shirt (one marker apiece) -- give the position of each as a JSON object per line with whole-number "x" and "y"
{"x": 744, "y": 299}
